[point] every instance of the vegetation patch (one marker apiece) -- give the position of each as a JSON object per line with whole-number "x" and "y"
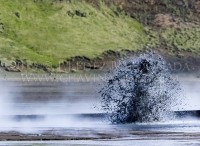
{"x": 47, "y": 32}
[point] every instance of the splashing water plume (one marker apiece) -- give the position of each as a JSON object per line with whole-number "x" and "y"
{"x": 140, "y": 90}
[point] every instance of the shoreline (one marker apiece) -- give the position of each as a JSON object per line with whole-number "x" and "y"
{"x": 74, "y": 77}
{"x": 178, "y": 62}
{"x": 98, "y": 135}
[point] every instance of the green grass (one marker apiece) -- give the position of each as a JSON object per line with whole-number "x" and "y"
{"x": 48, "y": 31}
{"x": 185, "y": 39}
{"x": 45, "y": 33}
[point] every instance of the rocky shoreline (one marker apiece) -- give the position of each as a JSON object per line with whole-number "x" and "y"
{"x": 179, "y": 62}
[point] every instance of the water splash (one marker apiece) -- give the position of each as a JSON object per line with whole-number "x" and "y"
{"x": 140, "y": 90}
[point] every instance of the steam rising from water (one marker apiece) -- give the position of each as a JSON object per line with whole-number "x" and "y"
{"x": 6, "y": 99}
{"x": 140, "y": 90}
{"x": 27, "y": 113}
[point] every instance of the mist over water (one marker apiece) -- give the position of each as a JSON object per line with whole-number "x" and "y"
{"x": 190, "y": 86}
{"x": 31, "y": 107}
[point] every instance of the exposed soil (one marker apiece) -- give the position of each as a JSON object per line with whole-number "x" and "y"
{"x": 146, "y": 10}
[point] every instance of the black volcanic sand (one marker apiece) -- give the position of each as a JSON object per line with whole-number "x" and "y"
{"x": 133, "y": 135}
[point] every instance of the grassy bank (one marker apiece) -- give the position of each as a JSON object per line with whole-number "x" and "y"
{"x": 48, "y": 32}
{"x": 185, "y": 39}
